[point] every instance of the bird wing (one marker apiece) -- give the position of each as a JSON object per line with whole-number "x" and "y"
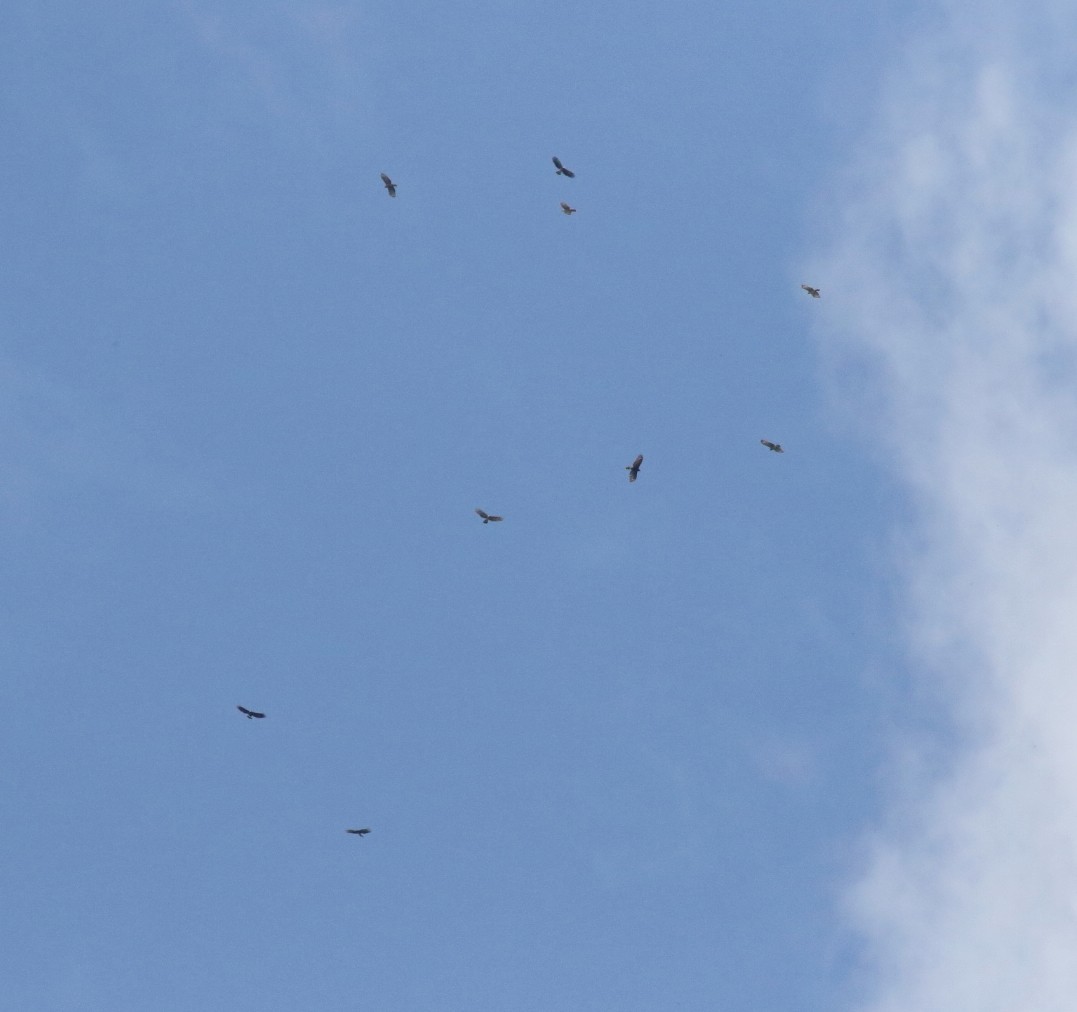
{"x": 557, "y": 163}
{"x": 767, "y": 443}
{"x": 495, "y": 520}
{"x": 256, "y": 714}
{"x": 568, "y": 172}
{"x": 243, "y": 709}
{"x": 483, "y": 514}
{"x": 386, "y": 180}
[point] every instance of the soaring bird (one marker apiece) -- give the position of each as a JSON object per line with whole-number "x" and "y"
{"x": 250, "y": 714}
{"x": 773, "y": 447}
{"x": 357, "y": 832}
{"x": 487, "y": 519}
{"x": 389, "y": 184}
{"x": 561, "y": 170}
{"x": 813, "y": 292}
{"x": 633, "y": 468}
{"x": 567, "y": 209}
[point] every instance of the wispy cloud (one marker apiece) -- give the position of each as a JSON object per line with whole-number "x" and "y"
{"x": 302, "y": 60}
{"x": 953, "y": 287}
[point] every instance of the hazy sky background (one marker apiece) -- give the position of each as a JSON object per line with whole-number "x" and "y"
{"x": 757, "y": 732}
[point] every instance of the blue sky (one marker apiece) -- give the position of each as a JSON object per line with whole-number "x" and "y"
{"x": 639, "y": 746}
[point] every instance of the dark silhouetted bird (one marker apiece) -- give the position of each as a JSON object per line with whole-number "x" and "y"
{"x": 357, "y": 832}
{"x": 813, "y": 292}
{"x": 773, "y": 447}
{"x": 250, "y": 714}
{"x": 567, "y": 209}
{"x": 487, "y": 519}
{"x": 633, "y": 468}
{"x": 389, "y": 184}
{"x": 561, "y": 170}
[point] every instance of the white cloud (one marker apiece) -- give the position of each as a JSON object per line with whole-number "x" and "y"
{"x": 953, "y": 286}
{"x": 300, "y": 60}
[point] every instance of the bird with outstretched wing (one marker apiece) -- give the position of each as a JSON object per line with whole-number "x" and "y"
{"x": 357, "y": 832}
{"x": 813, "y": 292}
{"x": 773, "y": 447}
{"x": 389, "y": 185}
{"x": 250, "y": 714}
{"x": 561, "y": 170}
{"x": 487, "y": 518}
{"x": 566, "y": 209}
{"x": 633, "y": 468}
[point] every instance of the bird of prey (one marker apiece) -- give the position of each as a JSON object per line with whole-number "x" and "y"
{"x": 633, "y": 468}
{"x": 813, "y": 292}
{"x": 389, "y": 184}
{"x": 561, "y": 170}
{"x": 487, "y": 519}
{"x": 357, "y": 832}
{"x": 250, "y": 714}
{"x": 773, "y": 447}
{"x": 567, "y": 209}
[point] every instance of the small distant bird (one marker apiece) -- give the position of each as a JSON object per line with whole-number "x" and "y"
{"x": 357, "y": 832}
{"x": 567, "y": 209}
{"x": 561, "y": 170}
{"x": 773, "y": 447}
{"x": 389, "y": 184}
{"x": 813, "y": 292}
{"x": 251, "y": 714}
{"x": 487, "y": 519}
{"x": 633, "y": 468}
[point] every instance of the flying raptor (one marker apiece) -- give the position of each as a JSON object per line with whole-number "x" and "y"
{"x": 357, "y": 832}
{"x": 633, "y": 468}
{"x": 561, "y": 170}
{"x": 567, "y": 209}
{"x": 773, "y": 447}
{"x": 250, "y": 714}
{"x": 389, "y": 184}
{"x": 487, "y": 519}
{"x": 813, "y": 292}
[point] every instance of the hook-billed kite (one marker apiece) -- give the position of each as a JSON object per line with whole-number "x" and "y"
{"x": 567, "y": 209}
{"x": 389, "y": 184}
{"x": 561, "y": 170}
{"x": 773, "y": 447}
{"x": 250, "y": 714}
{"x": 358, "y": 832}
{"x": 813, "y": 292}
{"x": 487, "y": 519}
{"x": 633, "y": 468}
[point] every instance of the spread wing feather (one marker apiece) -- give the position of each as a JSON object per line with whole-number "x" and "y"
{"x": 561, "y": 170}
